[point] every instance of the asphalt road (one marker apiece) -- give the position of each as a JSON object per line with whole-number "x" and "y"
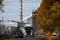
{"x": 27, "y": 38}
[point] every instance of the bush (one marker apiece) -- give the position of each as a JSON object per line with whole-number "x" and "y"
{"x": 58, "y": 38}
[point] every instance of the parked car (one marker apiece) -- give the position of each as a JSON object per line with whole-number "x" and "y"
{"x": 29, "y": 30}
{"x": 19, "y": 34}
{"x": 55, "y": 34}
{"x": 43, "y": 36}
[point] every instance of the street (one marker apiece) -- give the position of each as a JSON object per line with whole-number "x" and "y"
{"x": 27, "y": 38}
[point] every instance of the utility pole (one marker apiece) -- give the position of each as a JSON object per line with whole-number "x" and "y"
{"x": 1, "y": 11}
{"x": 21, "y": 16}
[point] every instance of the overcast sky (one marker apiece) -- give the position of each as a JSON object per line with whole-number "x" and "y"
{"x": 12, "y": 8}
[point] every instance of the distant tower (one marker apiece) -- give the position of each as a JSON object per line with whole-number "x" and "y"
{"x": 21, "y": 16}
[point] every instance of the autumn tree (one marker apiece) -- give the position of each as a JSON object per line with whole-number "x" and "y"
{"x": 48, "y": 15}
{"x": 1, "y": 2}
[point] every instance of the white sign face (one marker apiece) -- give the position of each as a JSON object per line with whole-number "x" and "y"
{"x": 13, "y": 24}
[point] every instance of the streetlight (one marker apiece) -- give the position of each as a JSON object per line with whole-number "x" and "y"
{"x": 34, "y": 22}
